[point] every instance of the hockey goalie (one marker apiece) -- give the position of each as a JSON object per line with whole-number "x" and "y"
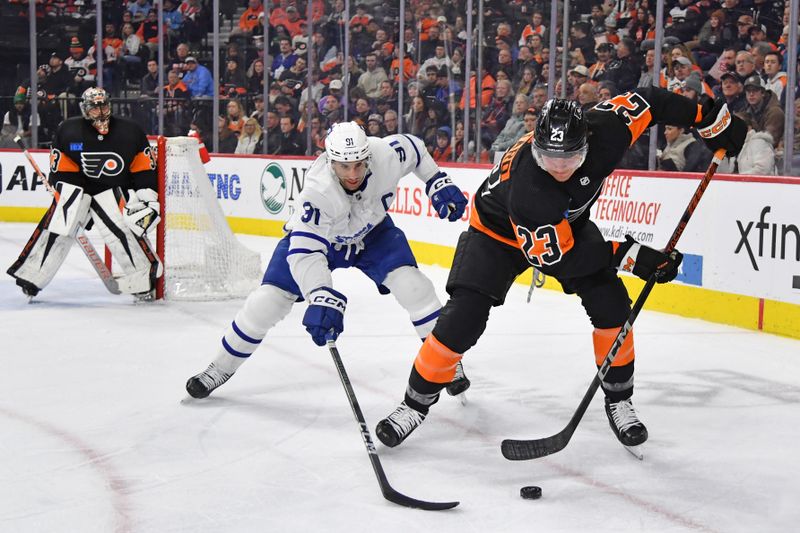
{"x": 103, "y": 172}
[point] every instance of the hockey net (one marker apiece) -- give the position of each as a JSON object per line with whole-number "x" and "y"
{"x": 202, "y": 258}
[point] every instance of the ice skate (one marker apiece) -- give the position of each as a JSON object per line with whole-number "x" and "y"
{"x": 394, "y": 429}
{"x": 626, "y": 424}
{"x": 201, "y": 385}
{"x": 460, "y": 382}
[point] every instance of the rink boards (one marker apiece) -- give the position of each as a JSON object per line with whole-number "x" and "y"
{"x": 742, "y": 246}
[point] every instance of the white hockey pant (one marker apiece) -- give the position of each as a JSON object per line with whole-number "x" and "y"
{"x": 265, "y": 307}
{"x": 136, "y": 257}
{"x": 415, "y": 292}
{"x": 46, "y": 250}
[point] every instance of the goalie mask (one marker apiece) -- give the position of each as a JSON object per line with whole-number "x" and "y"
{"x": 96, "y": 108}
{"x": 347, "y": 149}
{"x": 559, "y": 141}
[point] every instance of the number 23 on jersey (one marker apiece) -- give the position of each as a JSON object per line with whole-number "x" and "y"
{"x": 545, "y": 245}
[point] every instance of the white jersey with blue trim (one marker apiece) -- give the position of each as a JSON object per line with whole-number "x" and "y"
{"x": 327, "y": 216}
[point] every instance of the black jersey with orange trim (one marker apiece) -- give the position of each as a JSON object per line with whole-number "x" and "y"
{"x": 522, "y": 206}
{"x": 80, "y": 155}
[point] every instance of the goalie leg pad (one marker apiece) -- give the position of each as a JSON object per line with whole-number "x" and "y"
{"x": 265, "y": 307}
{"x": 72, "y": 209}
{"x": 42, "y": 255}
{"x": 415, "y": 292}
{"x": 136, "y": 258}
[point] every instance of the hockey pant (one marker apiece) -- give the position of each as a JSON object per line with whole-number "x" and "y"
{"x": 135, "y": 256}
{"x": 268, "y": 305}
{"x": 50, "y": 242}
{"x": 482, "y": 273}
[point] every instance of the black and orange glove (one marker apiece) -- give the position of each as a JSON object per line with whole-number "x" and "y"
{"x": 643, "y": 261}
{"x": 719, "y": 128}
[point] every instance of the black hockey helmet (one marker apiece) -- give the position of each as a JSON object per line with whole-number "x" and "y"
{"x": 560, "y": 134}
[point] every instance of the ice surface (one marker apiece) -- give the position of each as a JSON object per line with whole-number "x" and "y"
{"x": 95, "y": 437}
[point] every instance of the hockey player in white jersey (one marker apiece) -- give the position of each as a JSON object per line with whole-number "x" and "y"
{"x": 342, "y": 222}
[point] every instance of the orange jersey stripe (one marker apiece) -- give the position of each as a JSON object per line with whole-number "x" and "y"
{"x": 436, "y": 362}
{"x": 141, "y": 162}
{"x": 475, "y": 222}
{"x": 604, "y": 338}
{"x": 61, "y": 162}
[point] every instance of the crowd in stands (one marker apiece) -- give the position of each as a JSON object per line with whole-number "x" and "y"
{"x": 735, "y": 49}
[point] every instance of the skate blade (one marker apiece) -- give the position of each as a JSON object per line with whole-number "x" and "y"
{"x": 636, "y": 451}
{"x": 462, "y": 398}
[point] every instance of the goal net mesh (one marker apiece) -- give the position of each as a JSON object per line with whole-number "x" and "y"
{"x": 203, "y": 260}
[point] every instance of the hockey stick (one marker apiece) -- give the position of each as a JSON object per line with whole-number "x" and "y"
{"x": 520, "y": 450}
{"x": 388, "y": 492}
{"x": 88, "y": 249}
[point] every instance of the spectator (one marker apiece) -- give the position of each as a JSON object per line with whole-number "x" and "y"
{"x": 293, "y": 22}
{"x": 361, "y": 112}
{"x": 149, "y": 85}
{"x": 285, "y": 58}
{"x": 375, "y": 126}
{"x": 293, "y": 79}
{"x": 273, "y": 134}
{"x": 497, "y": 113}
{"x": 539, "y": 98}
{"x": 681, "y": 67}
{"x": 576, "y": 77}
{"x": 236, "y": 116}
{"x": 250, "y": 137}
{"x": 176, "y": 96}
{"x": 234, "y": 80}
{"x": 371, "y": 79}
{"x": 17, "y": 121}
{"x": 763, "y": 108}
{"x": 173, "y": 19}
{"x": 757, "y": 156}
{"x": 291, "y": 142}
{"x": 682, "y": 152}
{"x": 148, "y": 32}
{"x": 597, "y": 72}
{"x": 226, "y": 138}
{"x": 742, "y": 38}
{"x": 416, "y": 118}
{"x": 258, "y": 112}
{"x": 194, "y": 20}
{"x": 198, "y": 79}
{"x": 255, "y": 77}
{"x": 390, "y": 122}
{"x": 132, "y": 53}
{"x": 178, "y": 61}
{"x": 766, "y": 15}
{"x": 57, "y": 79}
{"x": 316, "y": 90}
{"x": 527, "y": 81}
{"x": 442, "y": 150}
{"x": 330, "y": 108}
{"x": 647, "y": 76}
{"x": 81, "y": 67}
{"x": 606, "y": 90}
{"x": 514, "y": 127}
{"x": 438, "y": 60}
{"x": 535, "y": 27}
{"x": 248, "y": 21}
{"x": 733, "y": 92}
{"x": 587, "y": 96}
{"x": 624, "y": 71}
{"x": 712, "y": 39}
{"x": 775, "y": 78}
{"x": 139, "y": 10}
{"x": 386, "y": 99}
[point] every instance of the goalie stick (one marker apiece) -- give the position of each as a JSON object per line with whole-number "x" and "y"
{"x": 388, "y": 492}
{"x": 83, "y": 241}
{"x": 520, "y": 450}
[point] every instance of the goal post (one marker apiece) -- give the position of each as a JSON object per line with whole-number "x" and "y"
{"x": 203, "y": 259}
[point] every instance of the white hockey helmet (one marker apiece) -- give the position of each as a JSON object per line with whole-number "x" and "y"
{"x": 96, "y": 98}
{"x": 346, "y": 142}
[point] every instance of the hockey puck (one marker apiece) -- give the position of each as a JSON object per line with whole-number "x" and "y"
{"x": 531, "y": 492}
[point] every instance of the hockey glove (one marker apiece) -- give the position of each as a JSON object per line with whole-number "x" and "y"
{"x": 719, "y": 128}
{"x": 644, "y": 261}
{"x": 325, "y": 314}
{"x": 142, "y": 211}
{"x": 447, "y": 199}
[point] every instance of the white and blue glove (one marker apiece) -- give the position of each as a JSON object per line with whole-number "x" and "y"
{"x": 447, "y": 199}
{"x": 325, "y": 314}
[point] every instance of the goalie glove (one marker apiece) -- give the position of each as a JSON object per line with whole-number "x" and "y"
{"x": 142, "y": 211}
{"x": 643, "y": 261}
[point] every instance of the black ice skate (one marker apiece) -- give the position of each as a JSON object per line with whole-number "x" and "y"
{"x": 201, "y": 385}
{"x": 394, "y": 429}
{"x": 460, "y": 382}
{"x": 625, "y": 424}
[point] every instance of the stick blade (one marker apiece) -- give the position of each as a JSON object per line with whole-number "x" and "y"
{"x": 406, "y": 501}
{"x": 523, "y": 450}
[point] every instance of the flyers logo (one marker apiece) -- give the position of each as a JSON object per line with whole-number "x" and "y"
{"x": 98, "y": 164}
{"x": 629, "y": 264}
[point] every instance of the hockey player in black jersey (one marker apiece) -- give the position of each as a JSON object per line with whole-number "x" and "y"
{"x": 104, "y": 173}
{"x": 533, "y": 210}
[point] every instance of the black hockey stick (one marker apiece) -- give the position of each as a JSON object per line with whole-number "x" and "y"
{"x": 520, "y": 450}
{"x": 388, "y": 492}
{"x": 88, "y": 249}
